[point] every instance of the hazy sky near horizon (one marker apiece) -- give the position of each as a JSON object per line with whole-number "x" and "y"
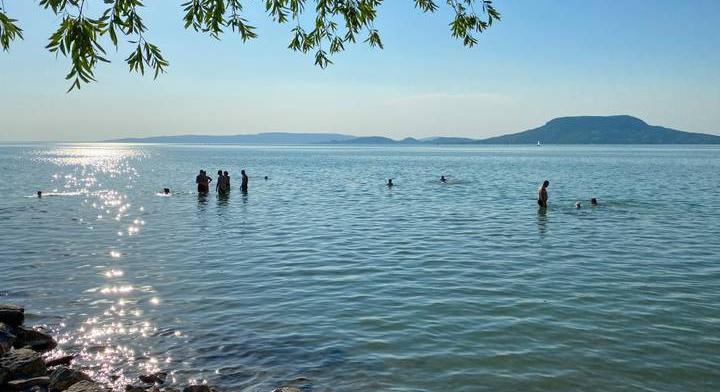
{"x": 659, "y": 61}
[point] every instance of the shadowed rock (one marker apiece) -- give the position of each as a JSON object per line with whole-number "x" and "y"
{"x": 154, "y": 378}
{"x": 134, "y": 388}
{"x": 286, "y": 389}
{"x": 86, "y": 386}
{"x": 63, "y": 378}
{"x": 28, "y": 383}
{"x": 198, "y": 388}
{"x": 36, "y": 340}
{"x": 12, "y": 315}
{"x": 22, "y": 363}
{"x": 64, "y": 360}
{"x": 7, "y": 338}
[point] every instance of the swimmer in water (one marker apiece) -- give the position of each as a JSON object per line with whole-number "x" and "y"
{"x": 593, "y": 202}
{"x": 166, "y": 191}
{"x": 443, "y": 179}
{"x": 578, "y": 205}
{"x": 389, "y": 183}
{"x": 266, "y": 178}
{"x": 39, "y": 194}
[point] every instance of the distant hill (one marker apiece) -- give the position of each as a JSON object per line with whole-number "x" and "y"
{"x": 602, "y": 130}
{"x": 260, "y": 138}
{"x": 563, "y": 130}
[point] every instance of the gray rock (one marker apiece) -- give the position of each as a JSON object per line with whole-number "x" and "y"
{"x": 286, "y": 389}
{"x": 12, "y": 315}
{"x": 64, "y": 360}
{"x": 27, "y": 383}
{"x": 198, "y": 388}
{"x": 36, "y": 340}
{"x": 134, "y": 388}
{"x": 153, "y": 378}
{"x": 86, "y": 386}
{"x": 7, "y": 338}
{"x": 22, "y": 363}
{"x": 63, "y": 378}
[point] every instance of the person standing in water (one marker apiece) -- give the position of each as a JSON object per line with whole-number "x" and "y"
{"x": 227, "y": 179}
{"x": 203, "y": 182}
{"x": 244, "y": 181}
{"x": 542, "y": 194}
{"x": 222, "y": 184}
{"x": 443, "y": 179}
{"x": 389, "y": 183}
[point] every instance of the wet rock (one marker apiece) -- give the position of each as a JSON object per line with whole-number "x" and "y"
{"x": 27, "y": 383}
{"x": 7, "y": 338}
{"x": 63, "y": 378}
{"x": 36, "y": 340}
{"x": 12, "y": 315}
{"x": 86, "y": 386}
{"x": 198, "y": 388}
{"x": 286, "y": 389}
{"x": 64, "y": 361}
{"x": 22, "y": 363}
{"x": 134, "y": 388}
{"x": 37, "y": 388}
{"x": 154, "y": 378}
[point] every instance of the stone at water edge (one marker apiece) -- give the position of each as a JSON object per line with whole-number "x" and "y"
{"x": 25, "y": 384}
{"x": 7, "y": 338}
{"x": 22, "y": 363}
{"x": 63, "y": 378}
{"x": 158, "y": 377}
{"x": 286, "y": 389}
{"x": 12, "y": 315}
{"x": 198, "y": 388}
{"x": 64, "y": 360}
{"x": 86, "y": 386}
{"x": 38, "y": 341}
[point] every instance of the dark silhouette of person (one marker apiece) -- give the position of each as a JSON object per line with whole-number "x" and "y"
{"x": 39, "y": 194}
{"x": 593, "y": 202}
{"x": 542, "y": 194}
{"x": 266, "y": 178}
{"x": 389, "y": 183}
{"x": 443, "y": 179}
{"x": 244, "y": 181}
{"x": 203, "y": 182}
{"x": 166, "y": 191}
{"x": 223, "y": 182}
{"x": 227, "y": 179}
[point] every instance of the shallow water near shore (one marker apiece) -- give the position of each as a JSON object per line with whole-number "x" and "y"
{"x": 323, "y": 278}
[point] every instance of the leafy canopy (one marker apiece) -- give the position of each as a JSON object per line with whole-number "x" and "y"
{"x": 335, "y": 23}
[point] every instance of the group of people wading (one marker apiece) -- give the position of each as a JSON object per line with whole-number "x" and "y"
{"x": 222, "y": 185}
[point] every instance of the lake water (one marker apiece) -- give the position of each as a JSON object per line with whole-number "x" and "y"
{"x": 322, "y": 278}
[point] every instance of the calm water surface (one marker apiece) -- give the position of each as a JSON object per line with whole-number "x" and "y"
{"x": 322, "y": 278}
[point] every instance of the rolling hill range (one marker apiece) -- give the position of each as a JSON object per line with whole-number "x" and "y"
{"x": 621, "y": 129}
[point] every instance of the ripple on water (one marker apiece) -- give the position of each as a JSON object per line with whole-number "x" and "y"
{"x": 322, "y": 278}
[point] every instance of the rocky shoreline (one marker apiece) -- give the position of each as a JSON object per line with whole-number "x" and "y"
{"x": 25, "y": 366}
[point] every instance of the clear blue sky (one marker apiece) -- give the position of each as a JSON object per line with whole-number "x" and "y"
{"x": 658, "y": 60}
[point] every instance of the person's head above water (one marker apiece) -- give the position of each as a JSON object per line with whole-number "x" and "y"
{"x": 266, "y": 177}
{"x": 39, "y": 193}
{"x": 390, "y": 183}
{"x": 225, "y": 173}
{"x": 546, "y": 183}
{"x": 442, "y": 178}
{"x": 578, "y": 205}
{"x": 593, "y": 202}
{"x": 166, "y": 191}
{"x": 242, "y": 171}
{"x": 219, "y": 172}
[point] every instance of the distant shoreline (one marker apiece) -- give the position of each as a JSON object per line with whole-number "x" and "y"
{"x": 580, "y": 130}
